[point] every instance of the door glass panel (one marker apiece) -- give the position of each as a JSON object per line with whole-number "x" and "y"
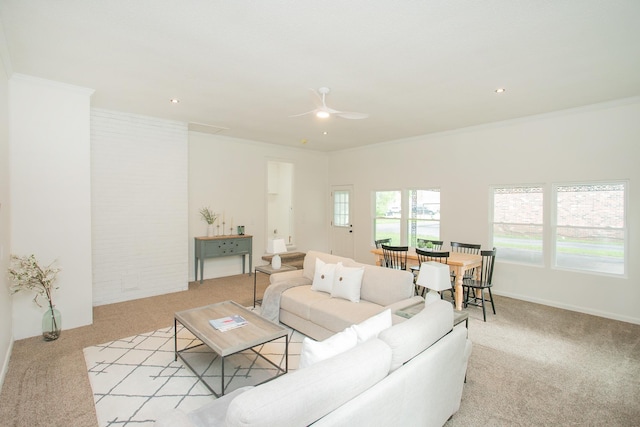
{"x": 341, "y": 208}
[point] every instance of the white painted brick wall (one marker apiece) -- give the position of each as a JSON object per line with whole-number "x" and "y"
{"x": 139, "y": 191}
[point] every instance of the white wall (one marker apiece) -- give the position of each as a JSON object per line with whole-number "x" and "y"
{"x": 600, "y": 142}
{"x": 139, "y": 206}
{"x": 230, "y": 175}
{"x": 6, "y": 338}
{"x": 50, "y": 194}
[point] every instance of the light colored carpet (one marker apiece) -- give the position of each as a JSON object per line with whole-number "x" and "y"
{"x": 136, "y": 379}
{"x": 531, "y": 365}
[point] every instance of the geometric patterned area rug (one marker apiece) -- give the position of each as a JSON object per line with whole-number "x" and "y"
{"x": 136, "y": 379}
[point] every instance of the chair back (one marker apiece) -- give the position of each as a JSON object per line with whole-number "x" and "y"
{"x": 436, "y": 245}
{"x": 395, "y": 256}
{"x": 424, "y": 256}
{"x": 467, "y": 248}
{"x": 486, "y": 270}
{"x": 381, "y": 242}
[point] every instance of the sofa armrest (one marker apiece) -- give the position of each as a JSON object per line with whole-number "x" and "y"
{"x": 285, "y": 275}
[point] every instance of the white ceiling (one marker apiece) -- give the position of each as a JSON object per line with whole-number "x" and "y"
{"x": 416, "y": 67}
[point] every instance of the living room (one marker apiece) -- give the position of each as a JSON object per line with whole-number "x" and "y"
{"x": 59, "y": 199}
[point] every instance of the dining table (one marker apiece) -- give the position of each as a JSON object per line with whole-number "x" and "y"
{"x": 458, "y": 263}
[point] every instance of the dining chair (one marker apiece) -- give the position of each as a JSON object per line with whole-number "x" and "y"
{"x": 466, "y": 248}
{"x": 425, "y": 256}
{"x": 483, "y": 282}
{"x": 436, "y": 245}
{"x": 381, "y": 242}
{"x": 395, "y": 256}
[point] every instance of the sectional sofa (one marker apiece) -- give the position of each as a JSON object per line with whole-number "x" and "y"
{"x": 395, "y": 371}
{"x": 411, "y": 374}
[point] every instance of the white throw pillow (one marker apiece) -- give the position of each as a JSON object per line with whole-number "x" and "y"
{"x": 315, "y": 351}
{"x": 371, "y": 327}
{"x": 323, "y": 277}
{"x": 347, "y": 282}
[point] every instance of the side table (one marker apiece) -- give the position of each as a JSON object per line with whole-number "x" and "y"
{"x": 459, "y": 316}
{"x": 268, "y": 270}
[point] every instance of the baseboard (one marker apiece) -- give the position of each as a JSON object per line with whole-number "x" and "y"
{"x": 578, "y": 309}
{"x": 5, "y": 365}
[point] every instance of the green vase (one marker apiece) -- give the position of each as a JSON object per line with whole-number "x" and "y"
{"x": 51, "y": 324}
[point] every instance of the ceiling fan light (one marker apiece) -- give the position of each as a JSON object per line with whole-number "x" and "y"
{"x": 322, "y": 114}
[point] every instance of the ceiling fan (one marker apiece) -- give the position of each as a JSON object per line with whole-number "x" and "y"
{"x": 323, "y": 112}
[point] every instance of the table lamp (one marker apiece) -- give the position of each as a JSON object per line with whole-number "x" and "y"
{"x": 278, "y": 247}
{"x": 434, "y": 276}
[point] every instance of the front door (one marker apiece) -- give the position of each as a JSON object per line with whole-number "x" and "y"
{"x": 341, "y": 221}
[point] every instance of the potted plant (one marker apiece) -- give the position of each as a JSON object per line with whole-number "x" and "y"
{"x": 209, "y": 217}
{"x": 26, "y": 274}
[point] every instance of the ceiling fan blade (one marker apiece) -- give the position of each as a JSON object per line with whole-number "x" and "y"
{"x": 351, "y": 115}
{"x": 316, "y": 98}
{"x": 304, "y": 114}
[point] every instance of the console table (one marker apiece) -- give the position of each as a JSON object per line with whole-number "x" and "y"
{"x": 221, "y": 246}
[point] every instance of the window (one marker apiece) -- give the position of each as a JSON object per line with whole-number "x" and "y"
{"x": 422, "y": 218}
{"x": 589, "y": 231}
{"x": 424, "y": 215}
{"x": 341, "y": 208}
{"x": 517, "y": 229}
{"x": 387, "y": 216}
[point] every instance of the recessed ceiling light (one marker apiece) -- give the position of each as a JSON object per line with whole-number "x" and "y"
{"x": 325, "y": 133}
{"x": 174, "y": 100}
{"x": 501, "y": 90}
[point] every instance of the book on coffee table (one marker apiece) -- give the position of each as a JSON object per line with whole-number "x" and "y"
{"x": 228, "y": 322}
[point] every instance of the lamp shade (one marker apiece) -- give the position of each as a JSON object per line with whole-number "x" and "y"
{"x": 434, "y": 275}
{"x": 277, "y": 246}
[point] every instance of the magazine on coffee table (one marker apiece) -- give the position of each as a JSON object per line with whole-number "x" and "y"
{"x": 224, "y": 324}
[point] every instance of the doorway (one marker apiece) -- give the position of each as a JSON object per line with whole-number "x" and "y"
{"x": 280, "y": 201}
{"x": 341, "y": 221}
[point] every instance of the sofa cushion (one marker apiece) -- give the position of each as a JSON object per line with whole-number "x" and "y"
{"x": 324, "y": 275}
{"x": 310, "y": 262}
{"x": 347, "y": 282}
{"x": 299, "y": 299}
{"x": 302, "y": 397}
{"x": 371, "y": 327}
{"x": 315, "y": 351}
{"x": 336, "y": 313}
{"x": 384, "y": 286}
{"x": 409, "y": 338}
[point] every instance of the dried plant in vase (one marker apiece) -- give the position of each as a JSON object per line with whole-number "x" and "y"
{"x": 26, "y": 274}
{"x": 209, "y": 217}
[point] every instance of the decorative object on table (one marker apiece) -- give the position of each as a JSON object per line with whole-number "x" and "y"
{"x": 26, "y": 275}
{"x": 277, "y": 247}
{"x": 241, "y": 230}
{"x": 227, "y": 323}
{"x": 434, "y": 276}
{"x": 210, "y": 217}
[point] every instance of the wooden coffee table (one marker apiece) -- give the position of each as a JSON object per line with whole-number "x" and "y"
{"x": 258, "y": 331}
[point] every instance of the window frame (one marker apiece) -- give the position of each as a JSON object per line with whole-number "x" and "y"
{"x": 409, "y": 238}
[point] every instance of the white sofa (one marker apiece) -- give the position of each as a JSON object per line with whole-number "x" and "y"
{"x": 412, "y": 374}
{"x": 317, "y": 315}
